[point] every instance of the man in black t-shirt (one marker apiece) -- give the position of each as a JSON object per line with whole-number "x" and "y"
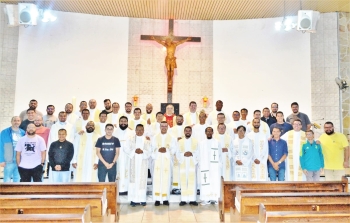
{"x": 107, "y": 149}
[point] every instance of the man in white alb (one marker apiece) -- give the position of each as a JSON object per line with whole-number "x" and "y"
{"x": 264, "y": 127}
{"x": 242, "y": 155}
{"x": 187, "y": 154}
{"x": 149, "y": 117}
{"x": 261, "y": 151}
{"x": 82, "y": 106}
{"x": 123, "y": 133}
{"x": 114, "y": 116}
{"x": 295, "y": 139}
{"x": 236, "y": 122}
{"x": 198, "y": 130}
{"x": 85, "y": 159}
{"x": 101, "y": 125}
{"x": 128, "y": 111}
{"x": 154, "y": 128}
{"x": 94, "y": 112}
{"x": 139, "y": 150}
{"x": 71, "y": 116}
{"x": 212, "y": 117}
{"x": 192, "y": 117}
{"x": 209, "y": 159}
{"x": 81, "y": 122}
{"x": 225, "y": 150}
{"x": 221, "y": 120}
{"x": 163, "y": 147}
{"x": 133, "y": 122}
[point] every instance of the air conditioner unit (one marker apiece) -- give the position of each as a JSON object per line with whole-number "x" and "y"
{"x": 12, "y": 15}
{"x": 27, "y": 14}
{"x": 307, "y": 20}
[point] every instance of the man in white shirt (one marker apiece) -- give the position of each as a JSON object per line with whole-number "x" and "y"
{"x": 101, "y": 125}
{"x": 71, "y": 116}
{"x": 82, "y": 106}
{"x": 264, "y": 127}
{"x": 80, "y": 124}
{"x": 94, "y": 112}
{"x": 113, "y": 117}
{"x": 225, "y": 150}
{"x": 149, "y": 117}
{"x": 212, "y": 117}
{"x": 244, "y": 113}
{"x": 154, "y": 128}
{"x": 192, "y": 117}
{"x": 128, "y": 111}
{"x": 236, "y": 122}
{"x": 133, "y": 122}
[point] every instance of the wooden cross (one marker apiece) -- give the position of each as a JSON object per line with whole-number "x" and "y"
{"x": 175, "y": 39}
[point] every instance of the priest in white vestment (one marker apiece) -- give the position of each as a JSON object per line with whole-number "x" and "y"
{"x": 261, "y": 151}
{"x": 128, "y": 111}
{"x": 154, "y": 128}
{"x": 243, "y": 153}
{"x": 192, "y": 117}
{"x": 114, "y": 116}
{"x": 178, "y": 132}
{"x": 71, "y": 116}
{"x": 264, "y": 127}
{"x": 187, "y": 155}
{"x": 164, "y": 145}
{"x": 123, "y": 133}
{"x": 136, "y": 120}
{"x": 85, "y": 159}
{"x": 210, "y": 166}
{"x": 149, "y": 117}
{"x": 221, "y": 120}
{"x": 101, "y": 125}
{"x": 295, "y": 139}
{"x": 212, "y": 117}
{"x": 225, "y": 150}
{"x": 94, "y": 112}
{"x": 139, "y": 150}
{"x": 82, "y": 106}
{"x": 235, "y": 123}
{"x": 80, "y": 124}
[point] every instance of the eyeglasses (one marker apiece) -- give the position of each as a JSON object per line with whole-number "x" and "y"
{"x": 109, "y": 129}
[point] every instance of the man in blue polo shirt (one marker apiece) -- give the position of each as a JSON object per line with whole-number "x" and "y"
{"x": 278, "y": 152}
{"x": 281, "y": 124}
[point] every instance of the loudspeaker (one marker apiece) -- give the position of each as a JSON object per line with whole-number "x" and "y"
{"x": 27, "y": 14}
{"x": 307, "y": 20}
{"x": 12, "y": 15}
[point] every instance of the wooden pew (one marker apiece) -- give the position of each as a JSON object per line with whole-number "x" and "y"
{"x": 97, "y": 201}
{"x": 227, "y": 198}
{"x": 302, "y": 216}
{"x": 66, "y": 189}
{"x": 84, "y": 217}
{"x": 248, "y": 203}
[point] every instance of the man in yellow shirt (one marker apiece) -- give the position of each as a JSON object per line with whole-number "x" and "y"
{"x": 335, "y": 148}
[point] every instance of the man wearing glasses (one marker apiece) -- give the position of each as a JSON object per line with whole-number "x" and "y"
{"x": 49, "y": 119}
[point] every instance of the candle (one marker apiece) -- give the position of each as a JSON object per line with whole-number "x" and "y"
{"x": 74, "y": 101}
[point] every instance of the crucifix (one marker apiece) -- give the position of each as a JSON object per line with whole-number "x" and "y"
{"x": 170, "y": 42}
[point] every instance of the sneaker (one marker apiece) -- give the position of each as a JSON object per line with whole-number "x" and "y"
{"x": 166, "y": 203}
{"x": 157, "y": 203}
{"x": 176, "y": 191}
{"x": 133, "y": 204}
{"x": 194, "y": 203}
{"x": 205, "y": 202}
{"x": 214, "y": 202}
{"x": 143, "y": 203}
{"x": 182, "y": 203}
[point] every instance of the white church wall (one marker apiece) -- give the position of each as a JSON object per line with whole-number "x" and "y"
{"x": 255, "y": 65}
{"x": 77, "y": 55}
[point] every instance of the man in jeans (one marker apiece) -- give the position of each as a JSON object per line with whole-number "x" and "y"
{"x": 278, "y": 152}
{"x": 8, "y": 141}
{"x": 107, "y": 150}
{"x": 30, "y": 157}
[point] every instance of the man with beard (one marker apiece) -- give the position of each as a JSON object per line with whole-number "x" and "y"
{"x": 107, "y": 148}
{"x": 49, "y": 119}
{"x": 261, "y": 151}
{"x": 31, "y": 116}
{"x": 108, "y": 107}
{"x": 138, "y": 151}
{"x": 163, "y": 147}
{"x": 94, "y": 112}
{"x": 8, "y": 141}
{"x": 40, "y": 129}
{"x": 30, "y": 156}
{"x": 82, "y": 106}
{"x": 123, "y": 133}
{"x": 210, "y": 168}
{"x": 149, "y": 117}
{"x": 33, "y": 104}
{"x": 136, "y": 120}
{"x": 267, "y": 117}
{"x": 243, "y": 153}
{"x": 225, "y": 151}
{"x": 101, "y": 125}
{"x": 85, "y": 159}
{"x": 212, "y": 117}
{"x": 191, "y": 118}
{"x": 178, "y": 132}
{"x": 81, "y": 122}
{"x": 114, "y": 116}
{"x": 274, "y": 110}
{"x": 188, "y": 158}
{"x": 71, "y": 116}
{"x": 128, "y": 109}
{"x": 264, "y": 127}
{"x": 335, "y": 148}
{"x": 299, "y": 115}
{"x": 295, "y": 139}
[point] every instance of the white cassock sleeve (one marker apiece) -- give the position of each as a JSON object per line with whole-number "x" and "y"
{"x": 76, "y": 146}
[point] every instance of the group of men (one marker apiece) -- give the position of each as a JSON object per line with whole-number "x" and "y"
{"x": 185, "y": 154}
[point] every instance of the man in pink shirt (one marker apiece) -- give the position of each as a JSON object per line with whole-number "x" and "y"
{"x": 30, "y": 155}
{"x": 40, "y": 129}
